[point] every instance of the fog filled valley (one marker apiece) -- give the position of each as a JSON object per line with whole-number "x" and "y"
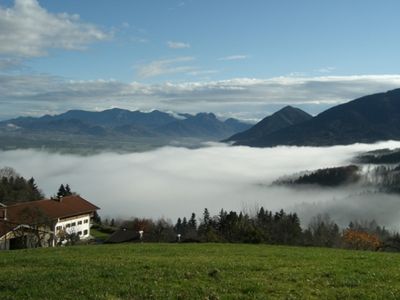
{"x": 172, "y": 182}
{"x": 190, "y": 149}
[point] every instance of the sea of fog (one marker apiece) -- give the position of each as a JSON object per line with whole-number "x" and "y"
{"x": 172, "y": 182}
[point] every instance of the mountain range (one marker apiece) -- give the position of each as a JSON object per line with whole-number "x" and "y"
{"x": 364, "y": 120}
{"x": 115, "y": 127}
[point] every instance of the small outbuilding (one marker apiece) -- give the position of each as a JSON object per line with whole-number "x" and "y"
{"x": 123, "y": 235}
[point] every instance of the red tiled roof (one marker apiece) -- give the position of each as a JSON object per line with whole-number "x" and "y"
{"x": 68, "y": 206}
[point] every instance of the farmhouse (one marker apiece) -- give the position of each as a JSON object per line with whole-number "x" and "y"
{"x": 45, "y": 223}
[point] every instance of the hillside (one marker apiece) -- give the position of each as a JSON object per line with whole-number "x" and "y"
{"x": 283, "y": 118}
{"x": 197, "y": 271}
{"x": 115, "y": 129}
{"x": 364, "y": 120}
{"x": 379, "y": 170}
{"x": 381, "y": 156}
{"x": 328, "y": 177}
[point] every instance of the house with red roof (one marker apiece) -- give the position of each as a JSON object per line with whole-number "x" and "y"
{"x": 45, "y": 223}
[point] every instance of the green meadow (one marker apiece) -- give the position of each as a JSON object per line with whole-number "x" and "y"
{"x": 198, "y": 271}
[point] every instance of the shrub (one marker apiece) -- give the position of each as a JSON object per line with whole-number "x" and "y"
{"x": 360, "y": 240}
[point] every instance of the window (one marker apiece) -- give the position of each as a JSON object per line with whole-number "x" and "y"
{"x": 85, "y": 232}
{"x": 86, "y": 221}
{"x": 58, "y": 227}
{"x": 79, "y": 222}
{"x": 79, "y": 232}
{"x": 73, "y": 224}
{"x": 68, "y": 225}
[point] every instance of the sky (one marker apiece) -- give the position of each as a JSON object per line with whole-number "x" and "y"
{"x": 244, "y": 59}
{"x": 174, "y": 182}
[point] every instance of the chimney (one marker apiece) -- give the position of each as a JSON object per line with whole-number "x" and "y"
{"x": 58, "y": 198}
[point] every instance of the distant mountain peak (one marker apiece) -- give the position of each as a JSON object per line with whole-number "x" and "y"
{"x": 367, "y": 119}
{"x": 206, "y": 115}
{"x": 287, "y": 108}
{"x": 283, "y": 118}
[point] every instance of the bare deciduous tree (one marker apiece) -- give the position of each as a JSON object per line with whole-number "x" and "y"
{"x": 8, "y": 172}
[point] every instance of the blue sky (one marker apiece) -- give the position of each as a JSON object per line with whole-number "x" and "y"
{"x": 237, "y": 58}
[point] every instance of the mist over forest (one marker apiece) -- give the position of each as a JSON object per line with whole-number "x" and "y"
{"x": 172, "y": 182}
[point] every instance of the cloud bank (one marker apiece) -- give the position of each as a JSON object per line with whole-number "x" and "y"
{"x": 245, "y": 98}
{"x": 173, "y": 182}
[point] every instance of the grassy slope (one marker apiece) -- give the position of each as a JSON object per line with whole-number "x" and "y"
{"x": 173, "y": 271}
{"x": 98, "y": 234}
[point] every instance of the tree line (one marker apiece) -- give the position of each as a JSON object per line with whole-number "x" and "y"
{"x": 275, "y": 228}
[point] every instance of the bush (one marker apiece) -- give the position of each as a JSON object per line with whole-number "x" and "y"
{"x": 360, "y": 240}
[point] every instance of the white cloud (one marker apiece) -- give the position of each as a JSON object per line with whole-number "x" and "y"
{"x": 177, "y": 45}
{"x": 202, "y": 72}
{"x": 28, "y": 30}
{"x": 326, "y": 70}
{"x": 173, "y": 182}
{"x": 234, "y": 57}
{"x": 165, "y": 66}
{"x": 249, "y": 98}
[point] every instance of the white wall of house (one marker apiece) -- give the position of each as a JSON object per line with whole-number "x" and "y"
{"x": 79, "y": 225}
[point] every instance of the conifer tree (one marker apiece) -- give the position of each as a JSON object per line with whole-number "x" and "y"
{"x": 64, "y": 191}
{"x": 61, "y": 191}
{"x": 178, "y": 226}
{"x": 192, "y": 221}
